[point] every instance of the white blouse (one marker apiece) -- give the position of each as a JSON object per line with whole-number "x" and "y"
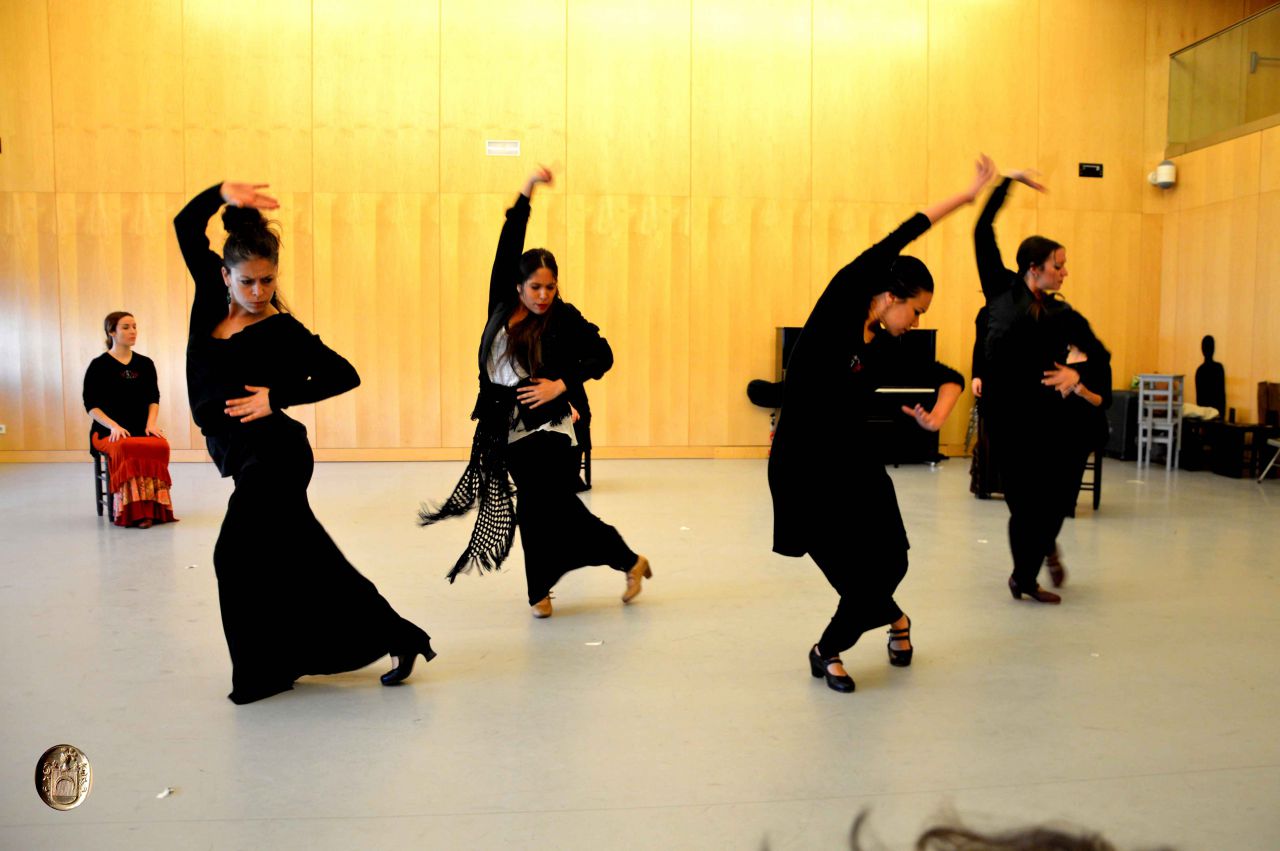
{"x": 507, "y": 373}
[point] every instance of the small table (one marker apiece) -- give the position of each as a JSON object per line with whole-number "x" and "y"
{"x": 1238, "y": 449}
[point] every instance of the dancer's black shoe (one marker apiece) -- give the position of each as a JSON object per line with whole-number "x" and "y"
{"x": 818, "y": 667}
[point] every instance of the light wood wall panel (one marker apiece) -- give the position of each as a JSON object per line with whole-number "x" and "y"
{"x": 116, "y": 251}
{"x": 983, "y": 91}
{"x": 376, "y": 90}
{"x": 502, "y": 77}
{"x": 1269, "y": 160}
{"x": 248, "y": 104}
{"x": 117, "y": 94}
{"x": 1221, "y": 172}
{"x": 632, "y": 256}
{"x": 751, "y": 273}
{"x": 751, "y": 98}
{"x": 870, "y": 85}
{"x": 26, "y": 102}
{"x": 469, "y": 228}
{"x": 628, "y": 97}
{"x": 1216, "y": 294}
{"x": 377, "y": 301}
{"x": 31, "y": 384}
{"x": 1265, "y": 364}
{"x": 1092, "y": 40}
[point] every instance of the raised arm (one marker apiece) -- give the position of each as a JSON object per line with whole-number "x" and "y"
{"x": 984, "y": 170}
{"x": 506, "y": 262}
{"x": 883, "y": 252}
{"x": 992, "y": 273}
{"x": 204, "y": 264}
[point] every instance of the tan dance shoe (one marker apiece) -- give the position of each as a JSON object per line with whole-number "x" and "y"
{"x": 542, "y": 608}
{"x": 635, "y": 579}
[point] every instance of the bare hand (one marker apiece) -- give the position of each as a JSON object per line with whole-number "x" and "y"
{"x": 542, "y": 391}
{"x": 1027, "y": 176}
{"x": 247, "y": 195}
{"x": 249, "y": 408}
{"x": 984, "y": 170}
{"x": 541, "y": 174}
{"x": 573, "y": 414}
{"x": 1061, "y": 378}
{"x": 977, "y": 387}
{"x": 155, "y": 431}
{"x": 118, "y": 432}
{"x": 927, "y": 420}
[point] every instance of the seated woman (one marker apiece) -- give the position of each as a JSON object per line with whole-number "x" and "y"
{"x": 122, "y": 396}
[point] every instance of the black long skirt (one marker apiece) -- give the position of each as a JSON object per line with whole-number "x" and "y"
{"x": 291, "y": 603}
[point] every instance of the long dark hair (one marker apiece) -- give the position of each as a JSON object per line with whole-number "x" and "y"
{"x": 524, "y": 346}
{"x": 249, "y": 237}
{"x": 113, "y": 319}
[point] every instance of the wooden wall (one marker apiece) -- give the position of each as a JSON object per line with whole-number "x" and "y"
{"x": 716, "y": 160}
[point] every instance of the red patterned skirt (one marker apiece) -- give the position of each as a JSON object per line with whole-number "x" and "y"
{"x": 139, "y": 471}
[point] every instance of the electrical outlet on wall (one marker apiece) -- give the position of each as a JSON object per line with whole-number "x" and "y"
{"x": 3, "y": 428}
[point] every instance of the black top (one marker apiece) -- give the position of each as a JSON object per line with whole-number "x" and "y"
{"x": 822, "y": 468}
{"x": 1211, "y": 386}
{"x": 124, "y": 392}
{"x": 277, "y": 352}
{"x": 1026, "y": 335}
{"x": 572, "y": 348}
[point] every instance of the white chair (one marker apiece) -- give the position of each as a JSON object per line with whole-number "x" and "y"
{"x": 1267, "y": 469}
{"x": 1159, "y": 417}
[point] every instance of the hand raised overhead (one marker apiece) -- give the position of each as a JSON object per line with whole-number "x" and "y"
{"x": 247, "y": 195}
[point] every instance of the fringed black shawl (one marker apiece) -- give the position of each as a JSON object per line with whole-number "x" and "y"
{"x": 485, "y": 481}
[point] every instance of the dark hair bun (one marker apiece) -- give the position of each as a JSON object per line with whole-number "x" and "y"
{"x": 243, "y": 220}
{"x": 249, "y": 235}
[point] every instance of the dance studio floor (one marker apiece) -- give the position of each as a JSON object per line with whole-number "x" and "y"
{"x": 1144, "y": 707}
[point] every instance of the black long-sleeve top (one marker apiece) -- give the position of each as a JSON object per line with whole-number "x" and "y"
{"x": 572, "y": 349}
{"x": 124, "y": 392}
{"x": 1026, "y": 336}
{"x": 277, "y": 352}
{"x": 821, "y": 461}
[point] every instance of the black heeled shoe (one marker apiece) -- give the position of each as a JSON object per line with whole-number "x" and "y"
{"x": 818, "y": 667}
{"x": 900, "y": 658}
{"x": 401, "y": 672}
{"x": 1039, "y": 594}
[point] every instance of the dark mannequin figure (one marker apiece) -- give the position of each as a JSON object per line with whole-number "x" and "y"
{"x": 1211, "y": 380}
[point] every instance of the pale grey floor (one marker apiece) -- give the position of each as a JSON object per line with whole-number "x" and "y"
{"x": 1145, "y": 706}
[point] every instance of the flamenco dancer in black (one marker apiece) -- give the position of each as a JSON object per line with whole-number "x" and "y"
{"x": 535, "y": 354}
{"x": 1030, "y": 333}
{"x": 832, "y": 498}
{"x": 291, "y": 604}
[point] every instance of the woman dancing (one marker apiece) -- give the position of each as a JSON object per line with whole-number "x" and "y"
{"x": 535, "y": 354}
{"x": 122, "y": 395}
{"x": 291, "y": 603}
{"x": 832, "y": 498}
{"x": 1025, "y": 389}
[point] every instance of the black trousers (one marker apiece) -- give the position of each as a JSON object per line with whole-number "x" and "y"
{"x": 865, "y": 581}
{"x": 1040, "y": 478}
{"x": 558, "y": 532}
